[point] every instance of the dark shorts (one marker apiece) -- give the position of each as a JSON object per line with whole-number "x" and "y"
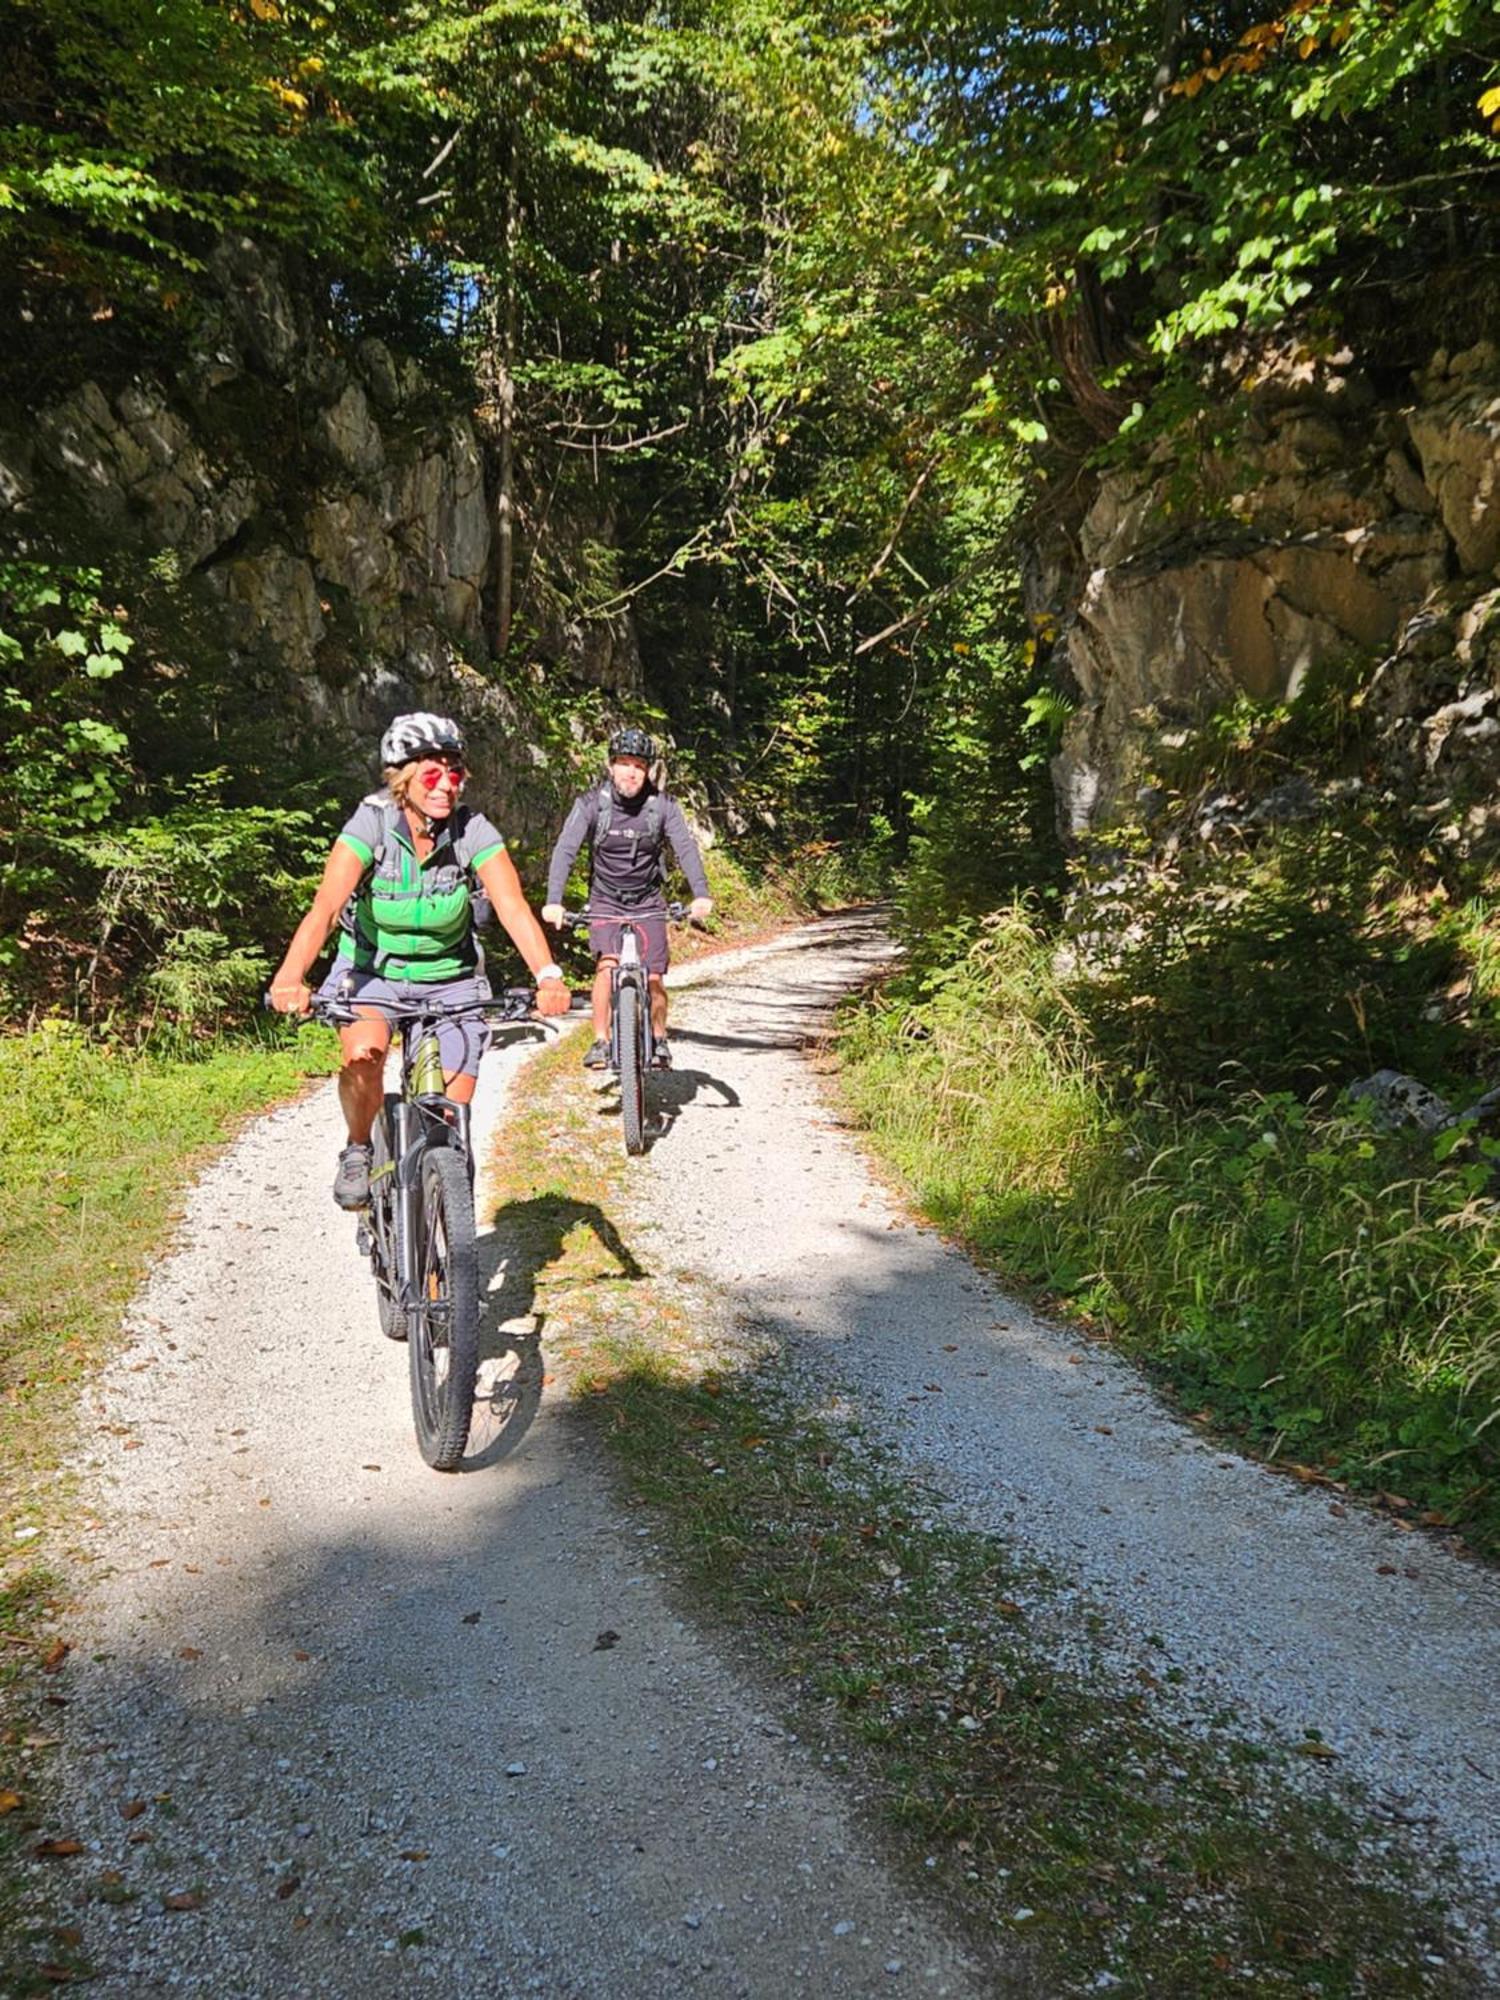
{"x": 462, "y": 1042}
{"x": 651, "y": 936}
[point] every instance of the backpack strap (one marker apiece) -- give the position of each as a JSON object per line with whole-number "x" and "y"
{"x": 647, "y": 828}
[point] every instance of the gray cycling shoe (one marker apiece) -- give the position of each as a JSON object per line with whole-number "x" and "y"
{"x": 351, "y": 1184}
{"x": 661, "y": 1055}
{"x": 596, "y": 1056}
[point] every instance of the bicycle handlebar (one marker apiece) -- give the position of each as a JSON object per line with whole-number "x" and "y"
{"x": 677, "y": 913}
{"x": 517, "y": 1003}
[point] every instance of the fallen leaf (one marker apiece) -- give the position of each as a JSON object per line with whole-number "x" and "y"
{"x": 950, "y": 1347}
{"x": 369, "y": 1468}
{"x": 1008, "y": 1607}
{"x": 131, "y": 1444}
{"x": 289, "y": 1887}
{"x": 933, "y": 1388}
{"x": 414, "y": 1853}
{"x": 190, "y": 1652}
{"x": 70, "y": 1937}
{"x": 162, "y": 1562}
{"x": 1314, "y": 1748}
{"x": 1105, "y": 1430}
{"x": 132, "y": 1809}
{"x": 57, "y": 1850}
{"x": 56, "y": 1653}
{"x": 182, "y": 1899}
{"x": 1337, "y": 1507}
{"x": 471, "y": 1618}
{"x": 605, "y": 1641}
{"x": 300, "y": 1923}
{"x": 1385, "y": 1569}
{"x": 140, "y": 1838}
{"x": 57, "y": 1975}
{"x": 299, "y": 1655}
{"x": 9, "y": 1802}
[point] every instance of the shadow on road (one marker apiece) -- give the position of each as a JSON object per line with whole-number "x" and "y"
{"x": 525, "y": 1238}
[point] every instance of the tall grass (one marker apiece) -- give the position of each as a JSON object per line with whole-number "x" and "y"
{"x": 1319, "y": 1285}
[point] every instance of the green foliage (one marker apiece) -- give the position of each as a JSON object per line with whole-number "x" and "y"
{"x": 108, "y": 880}
{"x": 1286, "y": 961}
{"x": 1321, "y": 1286}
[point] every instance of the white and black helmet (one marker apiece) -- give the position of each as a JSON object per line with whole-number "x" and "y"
{"x": 414, "y": 735}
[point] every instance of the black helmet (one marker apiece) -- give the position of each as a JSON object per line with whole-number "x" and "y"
{"x": 413, "y": 735}
{"x": 632, "y": 743}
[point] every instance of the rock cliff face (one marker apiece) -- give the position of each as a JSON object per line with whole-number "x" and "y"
{"x": 1341, "y": 529}
{"x": 329, "y": 503}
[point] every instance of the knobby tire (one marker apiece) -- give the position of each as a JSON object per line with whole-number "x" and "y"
{"x": 443, "y": 1335}
{"x": 632, "y": 1068}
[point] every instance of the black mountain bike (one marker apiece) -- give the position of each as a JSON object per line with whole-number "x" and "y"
{"x": 418, "y": 1231}
{"x": 632, "y": 1045}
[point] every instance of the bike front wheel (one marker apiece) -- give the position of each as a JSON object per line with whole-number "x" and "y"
{"x": 443, "y": 1327}
{"x": 632, "y": 1068}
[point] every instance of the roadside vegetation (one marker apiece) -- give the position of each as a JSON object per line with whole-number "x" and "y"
{"x": 1086, "y": 1841}
{"x": 1136, "y": 1100}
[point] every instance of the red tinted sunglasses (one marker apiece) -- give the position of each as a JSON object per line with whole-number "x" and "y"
{"x": 433, "y": 773}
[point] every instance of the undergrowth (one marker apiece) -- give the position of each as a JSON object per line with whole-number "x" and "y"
{"x": 1328, "y": 1291}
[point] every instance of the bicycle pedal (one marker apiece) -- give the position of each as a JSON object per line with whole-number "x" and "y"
{"x": 364, "y": 1242}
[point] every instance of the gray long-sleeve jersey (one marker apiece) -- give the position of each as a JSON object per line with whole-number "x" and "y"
{"x": 626, "y": 864}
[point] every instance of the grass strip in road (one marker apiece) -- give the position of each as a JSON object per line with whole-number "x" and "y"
{"x": 1087, "y": 1842}
{"x": 97, "y": 1143}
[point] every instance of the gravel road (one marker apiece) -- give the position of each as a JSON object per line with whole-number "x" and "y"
{"x": 372, "y": 1729}
{"x": 380, "y": 1729}
{"x": 1297, "y": 1617}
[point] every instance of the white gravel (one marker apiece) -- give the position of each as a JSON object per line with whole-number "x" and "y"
{"x": 368, "y": 1720}
{"x": 1266, "y": 1601}
{"x": 365, "y": 1706}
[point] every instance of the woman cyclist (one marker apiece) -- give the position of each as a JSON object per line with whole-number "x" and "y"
{"x": 627, "y": 823}
{"x": 402, "y": 878}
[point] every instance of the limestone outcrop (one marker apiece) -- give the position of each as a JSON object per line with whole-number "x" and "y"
{"x": 323, "y": 499}
{"x": 1341, "y": 529}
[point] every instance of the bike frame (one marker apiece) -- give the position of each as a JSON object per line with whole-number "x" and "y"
{"x": 413, "y": 1120}
{"x": 630, "y": 970}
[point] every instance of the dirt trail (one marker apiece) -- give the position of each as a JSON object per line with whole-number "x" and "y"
{"x": 380, "y": 1738}
{"x": 368, "y": 1708}
{"x": 1206, "y": 1566}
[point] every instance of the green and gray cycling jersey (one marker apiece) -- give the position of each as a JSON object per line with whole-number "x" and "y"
{"x": 412, "y": 919}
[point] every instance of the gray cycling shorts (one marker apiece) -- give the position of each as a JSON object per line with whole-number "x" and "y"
{"x": 462, "y": 1042}
{"x": 606, "y": 929}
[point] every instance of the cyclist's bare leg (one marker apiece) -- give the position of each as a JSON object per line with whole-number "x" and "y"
{"x": 459, "y": 1088}
{"x": 602, "y": 971}
{"x": 658, "y": 1006}
{"x": 362, "y": 1078}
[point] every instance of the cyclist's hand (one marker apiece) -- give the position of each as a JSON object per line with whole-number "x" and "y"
{"x": 701, "y": 909}
{"x": 552, "y": 996}
{"x": 291, "y": 996}
{"x": 552, "y": 913}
